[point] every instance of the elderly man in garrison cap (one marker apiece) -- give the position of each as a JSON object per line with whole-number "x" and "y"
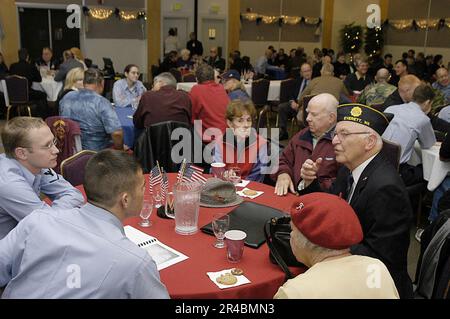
{"x": 324, "y": 227}
{"x": 372, "y": 186}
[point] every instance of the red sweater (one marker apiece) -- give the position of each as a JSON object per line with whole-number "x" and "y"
{"x": 209, "y": 104}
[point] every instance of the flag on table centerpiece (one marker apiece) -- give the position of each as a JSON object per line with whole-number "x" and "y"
{"x": 155, "y": 178}
{"x": 164, "y": 187}
{"x": 193, "y": 173}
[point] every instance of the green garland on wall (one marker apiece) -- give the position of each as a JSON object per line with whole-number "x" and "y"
{"x": 374, "y": 41}
{"x": 351, "y": 38}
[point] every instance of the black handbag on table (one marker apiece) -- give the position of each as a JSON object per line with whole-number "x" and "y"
{"x": 278, "y": 233}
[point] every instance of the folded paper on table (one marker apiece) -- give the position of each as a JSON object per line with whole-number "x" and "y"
{"x": 241, "y": 280}
{"x": 163, "y": 255}
{"x": 249, "y": 217}
{"x": 243, "y": 183}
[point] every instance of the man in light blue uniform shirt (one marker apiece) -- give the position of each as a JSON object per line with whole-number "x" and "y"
{"x": 128, "y": 91}
{"x": 411, "y": 123}
{"x": 100, "y": 127}
{"x": 26, "y": 171}
{"x": 83, "y": 252}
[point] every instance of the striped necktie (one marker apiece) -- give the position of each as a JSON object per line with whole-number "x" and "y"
{"x": 349, "y": 189}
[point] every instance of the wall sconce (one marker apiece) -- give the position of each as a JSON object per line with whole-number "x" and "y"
{"x": 214, "y": 8}
{"x": 177, "y": 6}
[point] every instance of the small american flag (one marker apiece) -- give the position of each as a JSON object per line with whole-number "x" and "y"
{"x": 155, "y": 178}
{"x": 164, "y": 187}
{"x": 193, "y": 173}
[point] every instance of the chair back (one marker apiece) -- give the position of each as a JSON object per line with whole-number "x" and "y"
{"x": 72, "y": 168}
{"x": 260, "y": 91}
{"x": 304, "y": 106}
{"x": 189, "y": 77}
{"x": 155, "y": 144}
{"x": 391, "y": 152}
{"x": 434, "y": 260}
{"x": 66, "y": 132}
{"x": 378, "y": 107}
{"x": 176, "y": 73}
{"x": 287, "y": 90}
{"x": 4, "y": 90}
{"x": 17, "y": 87}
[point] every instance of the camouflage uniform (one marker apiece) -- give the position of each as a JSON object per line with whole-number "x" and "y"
{"x": 376, "y": 93}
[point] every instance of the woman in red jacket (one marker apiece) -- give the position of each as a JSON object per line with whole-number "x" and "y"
{"x": 241, "y": 146}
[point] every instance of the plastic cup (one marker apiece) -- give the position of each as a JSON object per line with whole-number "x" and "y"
{"x": 217, "y": 170}
{"x": 234, "y": 240}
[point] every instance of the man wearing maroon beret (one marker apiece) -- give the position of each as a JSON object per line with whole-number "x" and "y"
{"x": 372, "y": 186}
{"x": 324, "y": 227}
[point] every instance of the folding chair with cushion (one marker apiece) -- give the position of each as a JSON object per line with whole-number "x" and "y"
{"x": 260, "y": 92}
{"x": 72, "y": 168}
{"x": 68, "y": 135}
{"x": 17, "y": 90}
{"x": 189, "y": 77}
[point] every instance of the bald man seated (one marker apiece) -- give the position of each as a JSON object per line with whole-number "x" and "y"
{"x": 377, "y": 93}
{"x": 312, "y": 142}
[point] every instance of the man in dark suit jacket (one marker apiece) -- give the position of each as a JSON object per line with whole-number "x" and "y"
{"x": 69, "y": 63}
{"x": 215, "y": 60}
{"x": 30, "y": 72}
{"x": 373, "y": 188}
{"x": 289, "y": 109}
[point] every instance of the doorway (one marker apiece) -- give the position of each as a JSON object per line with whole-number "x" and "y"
{"x": 214, "y": 35}
{"x": 182, "y": 26}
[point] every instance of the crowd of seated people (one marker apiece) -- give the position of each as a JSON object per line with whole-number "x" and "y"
{"x": 320, "y": 157}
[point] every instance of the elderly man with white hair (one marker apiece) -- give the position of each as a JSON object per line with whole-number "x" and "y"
{"x": 324, "y": 227}
{"x": 312, "y": 142}
{"x": 372, "y": 186}
{"x": 163, "y": 103}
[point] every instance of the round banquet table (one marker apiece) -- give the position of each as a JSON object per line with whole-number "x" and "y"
{"x": 188, "y": 279}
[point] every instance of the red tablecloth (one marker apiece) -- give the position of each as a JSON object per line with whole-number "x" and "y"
{"x": 188, "y": 278}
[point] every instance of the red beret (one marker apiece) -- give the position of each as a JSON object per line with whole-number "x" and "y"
{"x": 327, "y": 221}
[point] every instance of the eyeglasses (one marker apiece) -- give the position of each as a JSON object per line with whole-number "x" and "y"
{"x": 343, "y": 135}
{"x": 48, "y": 146}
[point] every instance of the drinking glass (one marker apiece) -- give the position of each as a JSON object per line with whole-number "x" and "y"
{"x": 234, "y": 175}
{"x": 220, "y": 225}
{"x": 146, "y": 212}
{"x": 157, "y": 198}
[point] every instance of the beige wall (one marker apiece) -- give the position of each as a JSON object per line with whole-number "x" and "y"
{"x": 10, "y": 43}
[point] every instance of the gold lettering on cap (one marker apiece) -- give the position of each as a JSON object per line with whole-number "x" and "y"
{"x": 352, "y": 119}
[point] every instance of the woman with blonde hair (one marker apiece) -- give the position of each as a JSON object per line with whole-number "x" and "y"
{"x": 78, "y": 56}
{"x": 73, "y": 82}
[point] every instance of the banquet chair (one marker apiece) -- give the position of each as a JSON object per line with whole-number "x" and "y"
{"x": 260, "y": 92}
{"x": 155, "y": 143}
{"x": 176, "y": 73}
{"x": 391, "y": 152}
{"x": 287, "y": 93}
{"x": 189, "y": 77}
{"x": 68, "y": 135}
{"x": 72, "y": 168}
{"x": 16, "y": 88}
{"x": 301, "y": 116}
